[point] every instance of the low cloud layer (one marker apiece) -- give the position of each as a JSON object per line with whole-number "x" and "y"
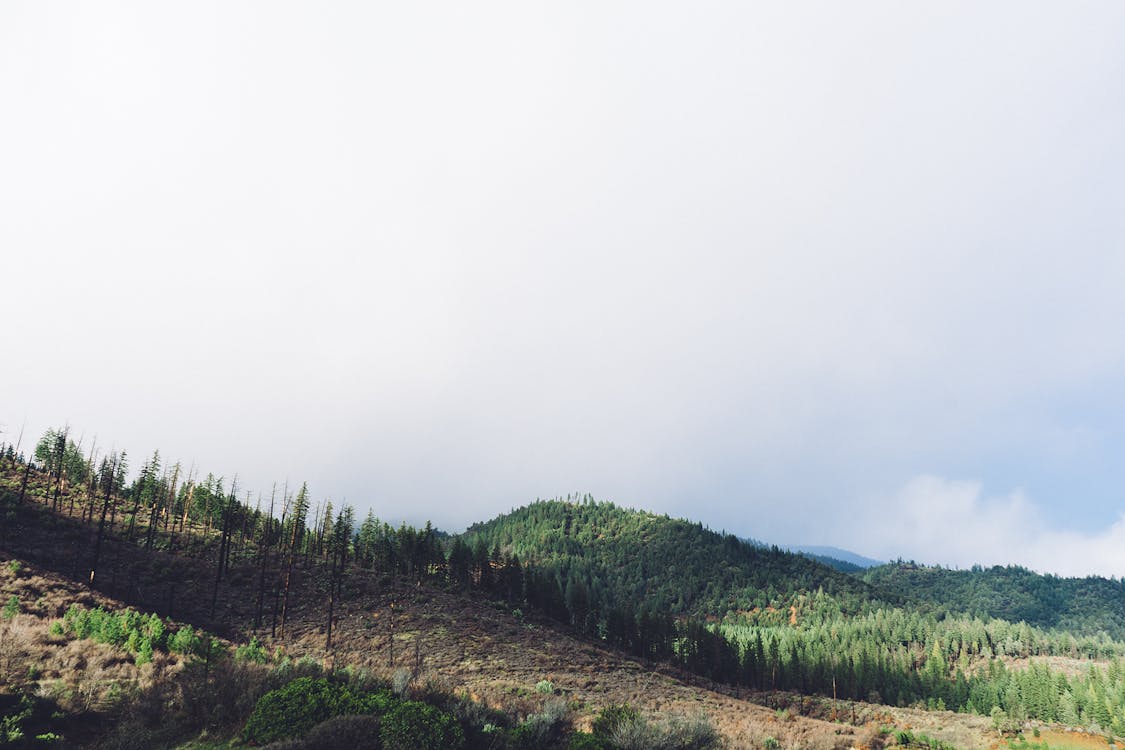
{"x": 955, "y": 523}
{"x": 747, "y": 263}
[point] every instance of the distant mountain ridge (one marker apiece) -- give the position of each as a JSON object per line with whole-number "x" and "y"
{"x": 833, "y": 556}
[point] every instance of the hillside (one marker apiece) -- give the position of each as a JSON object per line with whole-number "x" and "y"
{"x": 459, "y": 644}
{"x": 1081, "y": 606}
{"x": 447, "y": 641}
{"x": 648, "y": 561}
{"x": 586, "y": 602}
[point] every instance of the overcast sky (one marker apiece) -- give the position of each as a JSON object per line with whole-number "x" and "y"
{"x": 836, "y": 273}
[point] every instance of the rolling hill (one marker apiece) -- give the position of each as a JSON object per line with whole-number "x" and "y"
{"x": 622, "y": 556}
{"x": 1082, "y": 606}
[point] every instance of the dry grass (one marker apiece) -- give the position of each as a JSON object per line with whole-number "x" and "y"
{"x": 1061, "y": 740}
{"x": 80, "y": 675}
{"x": 494, "y": 657}
{"x": 445, "y": 641}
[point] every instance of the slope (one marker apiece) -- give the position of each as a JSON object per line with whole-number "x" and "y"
{"x": 623, "y": 557}
{"x": 1082, "y": 606}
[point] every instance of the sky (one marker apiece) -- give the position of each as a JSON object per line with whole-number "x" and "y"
{"x": 810, "y": 272}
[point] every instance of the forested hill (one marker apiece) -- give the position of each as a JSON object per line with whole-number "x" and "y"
{"x": 620, "y": 557}
{"x": 1083, "y": 606}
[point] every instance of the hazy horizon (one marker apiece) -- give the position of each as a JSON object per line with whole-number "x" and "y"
{"x": 819, "y": 274}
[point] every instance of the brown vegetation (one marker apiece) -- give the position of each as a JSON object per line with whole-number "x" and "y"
{"x": 419, "y": 635}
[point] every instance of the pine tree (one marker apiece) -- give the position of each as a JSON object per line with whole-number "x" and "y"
{"x": 297, "y": 531}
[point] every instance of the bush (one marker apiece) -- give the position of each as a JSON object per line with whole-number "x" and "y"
{"x": 12, "y": 608}
{"x": 543, "y": 728}
{"x": 638, "y": 733}
{"x": 351, "y": 732}
{"x": 185, "y": 642}
{"x": 138, "y": 634}
{"x": 610, "y": 717}
{"x": 411, "y": 725}
{"x": 295, "y": 708}
{"x": 252, "y": 652}
{"x": 692, "y": 734}
{"x": 584, "y": 741}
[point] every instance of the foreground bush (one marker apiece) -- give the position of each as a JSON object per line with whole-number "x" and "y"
{"x": 138, "y": 634}
{"x": 348, "y": 732}
{"x": 637, "y": 733}
{"x": 412, "y": 725}
{"x": 295, "y": 708}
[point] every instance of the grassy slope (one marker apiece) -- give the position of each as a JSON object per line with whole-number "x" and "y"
{"x": 461, "y": 642}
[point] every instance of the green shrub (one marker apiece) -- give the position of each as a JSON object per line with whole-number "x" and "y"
{"x": 186, "y": 642}
{"x": 610, "y": 717}
{"x": 12, "y": 608}
{"x": 584, "y": 741}
{"x": 295, "y": 708}
{"x": 638, "y": 733}
{"x": 137, "y": 633}
{"x": 350, "y": 732}
{"x": 544, "y": 728}
{"x": 144, "y": 653}
{"x": 411, "y": 725}
{"x": 252, "y": 652}
{"x": 691, "y": 734}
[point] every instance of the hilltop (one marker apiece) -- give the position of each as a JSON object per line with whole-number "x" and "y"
{"x": 647, "y": 561}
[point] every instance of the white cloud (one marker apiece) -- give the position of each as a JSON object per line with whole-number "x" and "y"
{"x": 952, "y": 522}
{"x": 441, "y": 259}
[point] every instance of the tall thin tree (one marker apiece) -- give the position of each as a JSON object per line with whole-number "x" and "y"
{"x": 300, "y": 512}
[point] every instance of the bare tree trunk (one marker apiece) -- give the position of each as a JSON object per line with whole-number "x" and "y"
{"x": 19, "y": 440}
{"x": 26, "y": 476}
{"x": 331, "y": 602}
{"x": 276, "y": 599}
{"x": 89, "y": 484}
{"x": 70, "y": 513}
{"x": 60, "y": 448}
{"x": 391, "y": 637}
{"x": 224, "y": 544}
{"x": 170, "y": 503}
{"x": 288, "y": 582}
{"x": 263, "y": 559}
{"x": 101, "y": 523}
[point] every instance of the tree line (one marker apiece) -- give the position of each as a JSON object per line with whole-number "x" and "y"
{"x": 640, "y": 582}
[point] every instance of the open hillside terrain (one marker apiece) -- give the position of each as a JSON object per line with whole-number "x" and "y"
{"x": 539, "y": 624}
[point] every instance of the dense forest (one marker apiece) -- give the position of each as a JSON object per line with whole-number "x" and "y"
{"x": 1082, "y": 606}
{"x": 667, "y": 565}
{"x": 792, "y": 623}
{"x": 664, "y": 590}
